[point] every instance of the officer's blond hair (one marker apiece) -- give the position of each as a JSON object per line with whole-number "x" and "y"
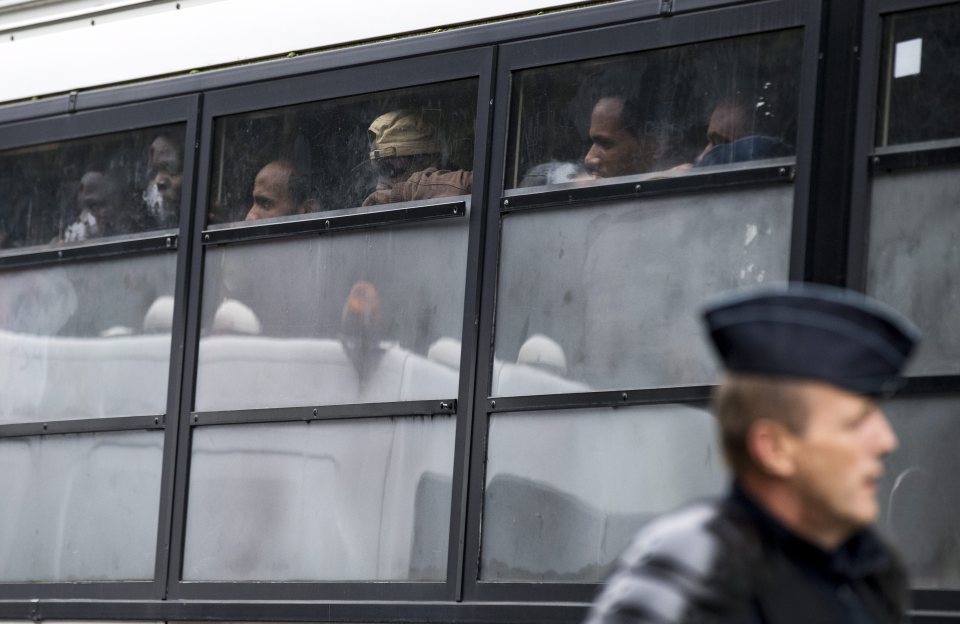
{"x": 742, "y": 399}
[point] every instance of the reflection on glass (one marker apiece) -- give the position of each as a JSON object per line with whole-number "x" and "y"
{"x": 914, "y": 252}
{"x": 919, "y": 97}
{"x": 609, "y": 297}
{"x": 347, "y": 318}
{"x": 566, "y": 491}
{"x": 661, "y": 112}
{"x": 83, "y": 189}
{"x": 79, "y": 507}
{"x": 919, "y": 499}
{"x": 335, "y": 500}
{"x": 380, "y": 148}
{"x": 86, "y": 340}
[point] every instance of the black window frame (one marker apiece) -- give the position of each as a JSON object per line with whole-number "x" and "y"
{"x": 89, "y": 124}
{"x": 871, "y": 162}
{"x": 658, "y": 32}
{"x": 474, "y": 63}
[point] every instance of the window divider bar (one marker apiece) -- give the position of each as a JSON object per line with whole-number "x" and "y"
{"x": 166, "y": 241}
{"x": 608, "y": 398}
{"x": 889, "y": 162}
{"x": 292, "y": 611}
{"x": 438, "y": 407}
{"x": 648, "y": 187}
{"x": 323, "y": 224}
{"x": 896, "y": 6}
{"x": 85, "y": 425}
{"x": 931, "y": 384}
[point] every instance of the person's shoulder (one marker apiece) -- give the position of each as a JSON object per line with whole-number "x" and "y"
{"x": 699, "y": 560}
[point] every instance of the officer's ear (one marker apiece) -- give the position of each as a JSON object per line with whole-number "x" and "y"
{"x": 771, "y": 446}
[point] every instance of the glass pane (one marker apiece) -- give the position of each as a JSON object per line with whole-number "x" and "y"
{"x": 79, "y": 507}
{"x": 920, "y": 84}
{"x": 379, "y": 148}
{"x": 667, "y": 111}
{"x": 914, "y": 252}
{"x": 919, "y": 497}
{"x": 334, "y": 501}
{"x": 566, "y": 491}
{"x": 609, "y": 297}
{"x": 348, "y": 318}
{"x": 73, "y": 191}
{"x": 86, "y": 340}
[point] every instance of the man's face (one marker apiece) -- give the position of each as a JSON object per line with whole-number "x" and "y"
{"x": 271, "y": 193}
{"x": 728, "y": 123}
{"x": 838, "y": 459}
{"x": 165, "y": 170}
{"x": 615, "y": 151}
{"x": 97, "y": 195}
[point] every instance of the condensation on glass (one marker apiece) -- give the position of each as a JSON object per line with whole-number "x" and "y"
{"x": 393, "y": 146}
{"x": 86, "y": 339}
{"x": 920, "y": 503}
{"x": 919, "y": 96}
{"x": 349, "y": 317}
{"x": 86, "y": 189}
{"x": 914, "y": 252}
{"x": 662, "y": 113}
{"x": 566, "y": 491}
{"x": 329, "y": 500}
{"x": 609, "y": 296}
{"x": 79, "y": 507}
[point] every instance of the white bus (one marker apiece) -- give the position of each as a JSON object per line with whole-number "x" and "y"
{"x": 389, "y": 313}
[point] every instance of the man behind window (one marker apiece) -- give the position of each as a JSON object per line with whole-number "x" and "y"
{"x": 280, "y": 190}
{"x": 805, "y": 439}
{"x": 406, "y": 154}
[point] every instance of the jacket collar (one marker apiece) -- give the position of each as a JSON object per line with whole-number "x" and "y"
{"x": 862, "y": 555}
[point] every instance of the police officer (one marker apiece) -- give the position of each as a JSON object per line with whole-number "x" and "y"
{"x": 805, "y": 439}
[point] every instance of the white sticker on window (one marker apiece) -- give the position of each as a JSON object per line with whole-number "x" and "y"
{"x": 907, "y": 59}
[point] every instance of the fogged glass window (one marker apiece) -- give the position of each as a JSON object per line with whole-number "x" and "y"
{"x": 666, "y": 111}
{"x": 914, "y": 252}
{"x": 84, "y": 189}
{"x": 566, "y": 491}
{"x": 336, "y": 500}
{"x": 919, "y": 498}
{"x": 609, "y": 296}
{"x": 86, "y": 339}
{"x": 80, "y": 507}
{"x": 920, "y": 85}
{"x": 350, "y": 317}
{"x": 379, "y": 148}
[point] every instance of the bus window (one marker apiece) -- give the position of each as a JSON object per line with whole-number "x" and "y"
{"x": 660, "y": 113}
{"x": 607, "y": 296}
{"x": 919, "y": 500}
{"x": 394, "y": 146}
{"x": 567, "y": 490}
{"x": 919, "y": 98}
{"x": 86, "y": 339}
{"x": 88, "y": 189}
{"x": 79, "y": 507}
{"x": 337, "y": 500}
{"x": 347, "y": 318}
{"x": 913, "y": 252}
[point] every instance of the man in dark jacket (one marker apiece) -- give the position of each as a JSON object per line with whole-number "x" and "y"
{"x": 805, "y": 440}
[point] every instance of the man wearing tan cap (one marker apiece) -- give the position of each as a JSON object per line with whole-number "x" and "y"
{"x": 405, "y": 153}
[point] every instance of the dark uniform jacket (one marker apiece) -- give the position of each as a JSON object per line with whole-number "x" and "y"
{"x": 730, "y": 562}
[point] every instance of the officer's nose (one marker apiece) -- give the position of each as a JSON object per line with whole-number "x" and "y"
{"x": 886, "y": 438}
